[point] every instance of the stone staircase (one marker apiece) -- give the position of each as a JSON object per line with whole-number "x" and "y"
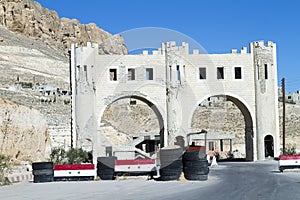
{"x": 132, "y": 149}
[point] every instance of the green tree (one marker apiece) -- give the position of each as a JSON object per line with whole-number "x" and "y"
{"x": 289, "y": 150}
{"x": 5, "y": 165}
{"x": 72, "y": 156}
{"x": 77, "y": 156}
{"x": 58, "y": 155}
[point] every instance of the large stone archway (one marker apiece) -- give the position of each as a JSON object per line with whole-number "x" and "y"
{"x": 149, "y": 103}
{"x": 248, "y": 120}
{"x": 171, "y": 81}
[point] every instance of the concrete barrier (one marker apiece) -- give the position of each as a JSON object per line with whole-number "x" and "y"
{"x": 74, "y": 172}
{"x": 288, "y": 162}
{"x": 20, "y": 177}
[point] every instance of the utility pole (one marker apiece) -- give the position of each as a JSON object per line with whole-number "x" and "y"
{"x": 283, "y": 115}
{"x": 71, "y": 88}
{"x": 167, "y": 132}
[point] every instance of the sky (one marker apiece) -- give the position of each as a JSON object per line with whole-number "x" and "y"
{"x": 217, "y": 25}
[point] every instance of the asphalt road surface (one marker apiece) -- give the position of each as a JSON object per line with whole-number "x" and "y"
{"x": 234, "y": 181}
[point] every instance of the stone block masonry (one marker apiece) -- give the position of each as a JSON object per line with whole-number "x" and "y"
{"x": 173, "y": 83}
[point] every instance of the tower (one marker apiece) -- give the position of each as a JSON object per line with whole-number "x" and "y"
{"x": 267, "y": 119}
{"x": 83, "y": 95}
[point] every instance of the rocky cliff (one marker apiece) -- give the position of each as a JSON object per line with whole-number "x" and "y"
{"x": 28, "y": 67}
{"x": 34, "y": 43}
{"x": 23, "y": 132}
{"x": 30, "y": 19}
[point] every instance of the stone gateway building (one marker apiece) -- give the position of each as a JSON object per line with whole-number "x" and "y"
{"x": 173, "y": 81}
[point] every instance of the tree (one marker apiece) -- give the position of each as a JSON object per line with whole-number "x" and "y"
{"x": 58, "y": 155}
{"x": 5, "y": 165}
{"x": 77, "y": 156}
{"x": 72, "y": 156}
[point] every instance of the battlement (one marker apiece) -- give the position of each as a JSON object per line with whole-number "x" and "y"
{"x": 184, "y": 48}
{"x": 243, "y": 51}
{"x": 172, "y": 47}
{"x": 262, "y": 43}
{"x": 89, "y": 46}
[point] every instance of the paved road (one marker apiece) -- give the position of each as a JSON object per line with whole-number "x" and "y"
{"x": 234, "y": 181}
{"x": 249, "y": 181}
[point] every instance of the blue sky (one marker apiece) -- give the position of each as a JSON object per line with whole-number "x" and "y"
{"x": 217, "y": 25}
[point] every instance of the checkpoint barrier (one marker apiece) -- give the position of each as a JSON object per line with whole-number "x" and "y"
{"x": 288, "y": 162}
{"x": 42, "y": 172}
{"x": 139, "y": 166}
{"x": 106, "y": 167}
{"x": 195, "y": 164}
{"x": 74, "y": 172}
{"x": 20, "y": 177}
{"x": 170, "y": 163}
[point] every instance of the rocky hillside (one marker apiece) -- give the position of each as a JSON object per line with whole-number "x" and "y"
{"x": 29, "y": 18}
{"x": 30, "y": 60}
{"x": 292, "y": 125}
{"x": 22, "y": 137}
{"x": 223, "y": 118}
{"x": 132, "y": 120}
{"x": 34, "y": 43}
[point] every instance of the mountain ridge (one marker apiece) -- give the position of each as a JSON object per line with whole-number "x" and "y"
{"x": 29, "y": 18}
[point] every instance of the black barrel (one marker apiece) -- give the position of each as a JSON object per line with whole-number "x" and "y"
{"x": 42, "y": 172}
{"x": 106, "y": 167}
{"x": 195, "y": 165}
{"x": 170, "y": 163}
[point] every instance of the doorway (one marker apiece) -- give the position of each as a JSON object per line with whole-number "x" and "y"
{"x": 269, "y": 146}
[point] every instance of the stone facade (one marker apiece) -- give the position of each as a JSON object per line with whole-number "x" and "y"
{"x": 173, "y": 82}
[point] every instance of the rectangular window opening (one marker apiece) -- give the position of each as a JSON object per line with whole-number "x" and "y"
{"x": 238, "y": 73}
{"x": 170, "y": 72}
{"x": 92, "y": 71}
{"x": 266, "y": 71}
{"x": 178, "y": 73}
{"x": 149, "y": 73}
{"x": 220, "y": 73}
{"x": 113, "y": 74}
{"x": 258, "y": 75}
{"x": 202, "y": 73}
{"x": 78, "y": 72}
{"x": 211, "y": 146}
{"x": 131, "y": 74}
{"x": 132, "y": 102}
{"x": 85, "y": 72}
